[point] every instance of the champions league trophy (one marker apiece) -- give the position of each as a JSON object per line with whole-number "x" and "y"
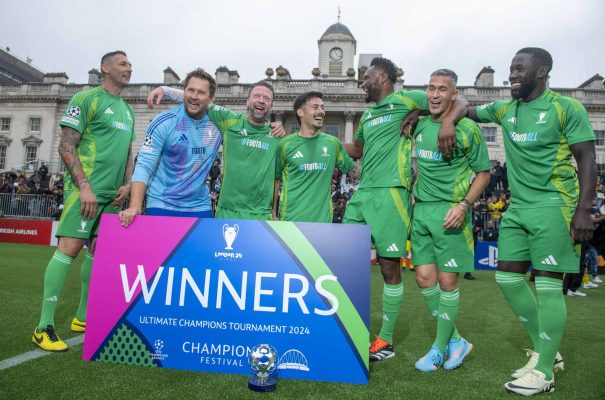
{"x": 229, "y": 234}
{"x": 263, "y": 362}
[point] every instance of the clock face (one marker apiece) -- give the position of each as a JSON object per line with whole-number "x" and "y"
{"x": 336, "y": 54}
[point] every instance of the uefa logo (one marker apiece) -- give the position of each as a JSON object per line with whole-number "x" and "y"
{"x": 158, "y": 345}
{"x": 230, "y": 234}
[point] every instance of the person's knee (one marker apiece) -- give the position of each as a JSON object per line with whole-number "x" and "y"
{"x": 70, "y": 246}
{"x": 426, "y": 276}
{"x": 391, "y": 270}
{"x": 448, "y": 281}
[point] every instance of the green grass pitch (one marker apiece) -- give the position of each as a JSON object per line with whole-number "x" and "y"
{"x": 484, "y": 319}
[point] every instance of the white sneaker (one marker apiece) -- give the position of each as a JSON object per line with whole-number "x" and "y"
{"x": 533, "y": 382}
{"x": 590, "y": 285}
{"x": 533, "y": 361}
{"x": 575, "y": 293}
{"x": 597, "y": 279}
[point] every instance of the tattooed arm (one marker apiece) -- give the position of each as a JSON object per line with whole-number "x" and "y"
{"x": 70, "y": 138}
{"x": 124, "y": 190}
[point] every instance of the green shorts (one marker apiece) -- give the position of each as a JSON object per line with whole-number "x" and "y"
{"x": 388, "y": 211}
{"x": 225, "y": 213}
{"x": 72, "y": 224}
{"x": 541, "y": 236}
{"x": 452, "y": 250}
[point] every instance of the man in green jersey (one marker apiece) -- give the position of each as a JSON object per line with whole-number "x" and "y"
{"x": 97, "y": 132}
{"x": 542, "y": 130}
{"x": 442, "y": 238}
{"x": 249, "y": 147}
{"x": 305, "y": 165}
{"x": 383, "y": 200}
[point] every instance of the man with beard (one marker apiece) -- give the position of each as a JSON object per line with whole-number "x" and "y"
{"x": 178, "y": 150}
{"x": 383, "y": 199}
{"x": 97, "y": 133}
{"x": 305, "y": 165}
{"x": 248, "y": 152}
{"x": 542, "y": 130}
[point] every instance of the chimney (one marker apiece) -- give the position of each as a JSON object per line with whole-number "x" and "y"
{"x": 485, "y": 78}
{"x": 233, "y": 77}
{"x": 55, "y": 77}
{"x": 222, "y": 75}
{"x": 170, "y": 76}
{"x": 94, "y": 77}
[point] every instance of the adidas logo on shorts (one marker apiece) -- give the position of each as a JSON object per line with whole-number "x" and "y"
{"x": 393, "y": 247}
{"x": 550, "y": 260}
{"x": 451, "y": 263}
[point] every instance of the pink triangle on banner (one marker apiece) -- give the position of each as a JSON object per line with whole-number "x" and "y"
{"x": 148, "y": 241}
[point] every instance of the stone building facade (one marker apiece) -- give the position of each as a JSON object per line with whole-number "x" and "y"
{"x": 29, "y": 112}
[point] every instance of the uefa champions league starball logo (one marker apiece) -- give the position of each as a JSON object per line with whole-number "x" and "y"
{"x": 73, "y": 111}
{"x": 158, "y": 345}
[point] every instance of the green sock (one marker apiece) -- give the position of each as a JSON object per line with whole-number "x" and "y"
{"x": 85, "y": 274}
{"x": 446, "y": 320}
{"x": 54, "y": 280}
{"x": 522, "y": 301}
{"x": 552, "y": 314}
{"x": 392, "y": 297}
{"x": 431, "y": 298}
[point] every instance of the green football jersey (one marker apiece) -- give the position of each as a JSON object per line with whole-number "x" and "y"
{"x": 442, "y": 179}
{"x": 106, "y": 124}
{"x": 306, "y": 166}
{"x": 537, "y": 136}
{"x": 248, "y": 162}
{"x": 386, "y": 153}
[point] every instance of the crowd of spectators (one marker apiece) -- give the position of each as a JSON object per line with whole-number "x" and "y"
{"x": 38, "y": 195}
{"x": 21, "y": 192}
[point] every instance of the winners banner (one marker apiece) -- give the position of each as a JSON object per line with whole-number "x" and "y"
{"x": 199, "y": 294}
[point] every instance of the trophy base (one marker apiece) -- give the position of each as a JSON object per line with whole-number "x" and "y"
{"x": 264, "y": 385}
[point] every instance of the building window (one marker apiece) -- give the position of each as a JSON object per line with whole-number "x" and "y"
{"x": 600, "y": 169}
{"x": 331, "y": 129}
{"x": 30, "y": 154}
{"x": 294, "y": 127}
{"x": 2, "y": 157}
{"x": 5, "y": 125}
{"x": 34, "y": 124}
{"x": 600, "y": 138}
{"x": 489, "y": 133}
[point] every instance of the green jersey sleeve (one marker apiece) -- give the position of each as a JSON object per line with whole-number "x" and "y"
{"x": 575, "y": 123}
{"x": 280, "y": 161}
{"x": 493, "y": 112}
{"x": 343, "y": 162}
{"x": 474, "y": 145}
{"x": 134, "y": 135}
{"x": 359, "y": 134}
{"x": 78, "y": 112}
{"x": 224, "y": 118}
{"x": 414, "y": 99}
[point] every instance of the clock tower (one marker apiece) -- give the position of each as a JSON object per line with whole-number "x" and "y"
{"x": 337, "y": 48}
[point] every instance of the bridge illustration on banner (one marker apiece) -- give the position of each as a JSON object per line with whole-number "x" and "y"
{"x": 293, "y": 359}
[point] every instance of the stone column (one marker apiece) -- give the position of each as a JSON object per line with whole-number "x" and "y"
{"x": 349, "y": 117}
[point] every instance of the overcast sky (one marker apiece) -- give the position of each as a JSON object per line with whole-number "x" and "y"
{"x": 249, "y": 36}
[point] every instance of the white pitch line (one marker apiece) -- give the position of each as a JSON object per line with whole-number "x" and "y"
{"x": 32, "y": 355}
